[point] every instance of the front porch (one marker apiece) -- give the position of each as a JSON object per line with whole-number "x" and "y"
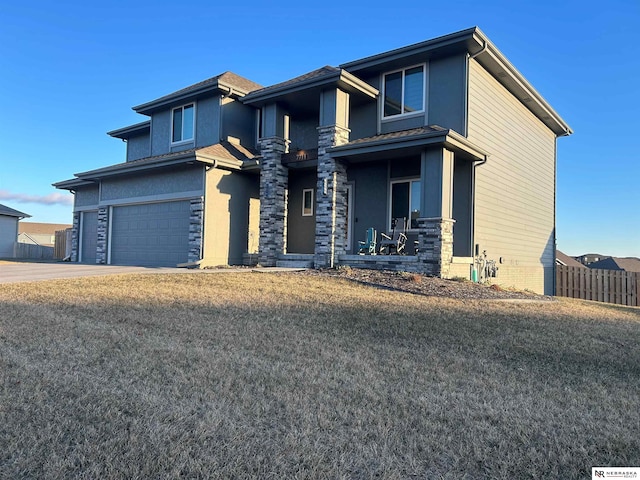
{"x": 321, "y": 191}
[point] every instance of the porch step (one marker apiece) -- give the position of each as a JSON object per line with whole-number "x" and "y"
{"x": 295, "y": 260}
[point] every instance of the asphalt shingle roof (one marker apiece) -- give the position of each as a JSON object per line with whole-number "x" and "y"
{"x": 228, "y": 78}
{"x": 400, "y": 134}
{"x": 628, "y": 264}
{"x": 318, "y": 73}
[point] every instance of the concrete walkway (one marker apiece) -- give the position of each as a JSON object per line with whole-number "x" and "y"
{"x": 15, "y": 272}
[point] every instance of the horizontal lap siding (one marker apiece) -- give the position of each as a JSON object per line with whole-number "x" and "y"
{"x": 515, "y": 189}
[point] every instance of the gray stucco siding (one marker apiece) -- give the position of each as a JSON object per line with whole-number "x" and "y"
{"x": 363, "y": 120}
{"x": 303, "y": 133}
{"x": 157, "y": 183}
{"x": 87, "y": 196}
{"x": 402, "y": 123}
{"x": 446, "y": 105}
{"x": 238, "y": 121}
{"x": 515, "y": 189}
{"x": 207, "y": 121}
{"x": 138, "y": 147}
{"x": 160, "y": 132}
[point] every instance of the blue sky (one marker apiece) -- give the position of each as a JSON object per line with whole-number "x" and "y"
{"x": 71, "y": 71}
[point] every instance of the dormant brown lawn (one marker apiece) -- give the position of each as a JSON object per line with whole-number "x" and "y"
{"x": 256, "y": 375}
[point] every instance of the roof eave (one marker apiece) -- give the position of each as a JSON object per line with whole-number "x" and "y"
{"x": 150, "y": 107}
{"x": 429, "y": 45}
{"x": 131, "y": 130}
{"x": 341, "y": 78}
{"x": 134, "y": 167}
{"x": 541, "y": 108}
{"x": 447, "y": 138}
{"x": 72, "y": 184}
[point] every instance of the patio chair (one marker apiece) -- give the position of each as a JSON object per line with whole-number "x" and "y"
{"x": 397, "y": 242}
{"x": 368, "y": 247}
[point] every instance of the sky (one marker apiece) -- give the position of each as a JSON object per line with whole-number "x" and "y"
{"x": 71, "y": 70}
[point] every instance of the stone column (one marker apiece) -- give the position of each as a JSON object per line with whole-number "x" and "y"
{"x": 75, "y": 236}
{"x": 101, "y": 241}
{"x": 196, "y": 224}
{"x": 331, "y": 198}
{"x": 435, "y": 246}
{"x": 274, "y": 179}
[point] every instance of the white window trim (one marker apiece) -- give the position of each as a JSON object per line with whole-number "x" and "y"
{"x": 410, "y": 180}
{"x": 188, "y": 140}
{"x": 424, "y": 93}
{"x": 304, "y": 191}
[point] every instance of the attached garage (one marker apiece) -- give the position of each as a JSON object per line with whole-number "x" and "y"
{"x": 150, "y": 234}
{"x": 88, "y": 236}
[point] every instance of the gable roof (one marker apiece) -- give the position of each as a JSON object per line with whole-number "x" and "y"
{"x": 10, "y": 212}
{"x": 316, "y": 79}
{"x": 227, "y": 82}
{"x": 37, "y": 228}
{"x": 628, "y": 264}
{"x": 564, "y": 259}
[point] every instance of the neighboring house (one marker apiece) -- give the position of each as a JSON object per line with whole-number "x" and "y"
{"x": 36, "y": 233}
{"x": 628, "y": 264}
{"x": 9, "y": 220}
{"x": 589, "y": 258}
{"x": 566, "y": 260}
{"x": 445, "y": 133}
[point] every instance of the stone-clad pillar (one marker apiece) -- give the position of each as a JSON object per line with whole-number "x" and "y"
{"x": 435, "y": 246}
{"x": 274, "y": 179}
{"x": 196, "y": 223}
{"x": 101, "y": 241}
{"x": 331, "y": 198}
{"x": 75, "y": 236}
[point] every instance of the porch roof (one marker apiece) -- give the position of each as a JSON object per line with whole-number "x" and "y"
{"x": 410, "y": 141}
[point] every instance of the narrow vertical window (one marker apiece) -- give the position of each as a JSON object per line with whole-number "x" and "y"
{"x": 405, "y": 201}
{"x": 183, "y": 123}
{"x": 307, "y": 202}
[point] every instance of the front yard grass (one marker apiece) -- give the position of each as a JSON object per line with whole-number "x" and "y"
{"x": 256, "y": 375}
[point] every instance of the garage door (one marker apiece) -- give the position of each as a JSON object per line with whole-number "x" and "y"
{"x": 152, "y": 234}
{"x": 88, "y": 237}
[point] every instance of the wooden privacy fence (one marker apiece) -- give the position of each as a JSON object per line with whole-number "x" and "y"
{"x": 611, "y": 286}
{"x": 34, "y": 252}
{"x": 62, "y": 247}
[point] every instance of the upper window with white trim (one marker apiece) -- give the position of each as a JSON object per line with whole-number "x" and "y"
{"x": 403, "y": 91}
{"x": 182, "y": 123}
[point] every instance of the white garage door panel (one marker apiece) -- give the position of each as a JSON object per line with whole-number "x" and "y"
{"x": 153, "y": 234}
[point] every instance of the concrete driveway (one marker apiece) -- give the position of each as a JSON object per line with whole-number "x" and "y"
{"x": 15, "y": 272}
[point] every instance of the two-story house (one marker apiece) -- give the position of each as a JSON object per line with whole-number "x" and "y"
{"x": 446, "y": 134}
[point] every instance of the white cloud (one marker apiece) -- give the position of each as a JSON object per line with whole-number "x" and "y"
{"x": 51, "y": 199}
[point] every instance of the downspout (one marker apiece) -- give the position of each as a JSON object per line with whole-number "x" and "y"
{"x": 475, "y": 164}
{"x": 482, "y": 50}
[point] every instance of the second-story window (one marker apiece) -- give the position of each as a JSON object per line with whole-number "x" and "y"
{"x": 403, "y": 91}
{"x": 183, "y": 121}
